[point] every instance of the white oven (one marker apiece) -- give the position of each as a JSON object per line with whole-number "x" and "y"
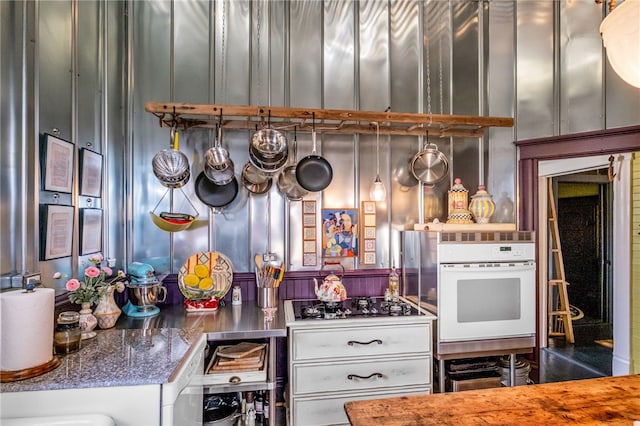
{"x": 486, "y": 291}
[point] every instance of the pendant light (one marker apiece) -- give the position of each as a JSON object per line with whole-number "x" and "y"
{"x": 378, "y": 191}
{"x": 621, "y": 37}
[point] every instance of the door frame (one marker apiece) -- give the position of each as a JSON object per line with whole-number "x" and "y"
{"x": 621, "y": 259}
{"x": 578, "y": 151}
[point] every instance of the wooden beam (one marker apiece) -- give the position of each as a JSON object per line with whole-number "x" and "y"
{"x": 326, "y": 120}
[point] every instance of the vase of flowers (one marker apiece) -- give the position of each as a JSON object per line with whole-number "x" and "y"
{"x": 107, "y": 311}
{"x": 98, "y": 287}
{"x": 87, "y": 321}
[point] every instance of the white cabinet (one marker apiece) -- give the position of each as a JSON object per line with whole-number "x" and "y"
{"x": 335, "y": 361}
{"x": 126, "y": 405}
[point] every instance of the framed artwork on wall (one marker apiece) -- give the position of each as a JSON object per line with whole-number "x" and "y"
{"x": 369, "y": 232}
{"x": 90, "y": 173}
{"x": 340, "y": 232}
{"x": 57, "y": 164}
{"x": 309, "y": 236}
{"x": 90, "y": 231}
{"x": 56, "y": 231}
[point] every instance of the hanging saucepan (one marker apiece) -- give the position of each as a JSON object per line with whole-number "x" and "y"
{"x": 313, "y": 172}
{"x": 268, "y": 150}
{"x": 218, "y": 165}
{"x": 287, "y": 182}
{"x": 171, "y": 166}
{"x": 430, "y": 165}
{"x": 216, "y": 196}
{"x": 254, "y": 180}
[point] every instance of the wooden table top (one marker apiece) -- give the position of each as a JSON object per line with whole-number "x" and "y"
{"x": 608, "y": 400}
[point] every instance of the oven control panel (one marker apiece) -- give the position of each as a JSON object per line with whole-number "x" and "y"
{"x": 486, "y": 252}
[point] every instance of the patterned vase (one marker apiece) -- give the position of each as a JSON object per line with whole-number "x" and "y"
{"x": 87, "y": 321}
{"x": 107, "y": 311}
{"x": 482, "y": 206}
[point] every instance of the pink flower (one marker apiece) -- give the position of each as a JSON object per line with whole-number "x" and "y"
{"x": 107, "y": 271}
{"x": 92, "y": 272}
{"x": 120, "y": 287}
{"x": 57, "y": 276}
{"x": 72, "y": 285}
{"x": 96, "y": 258}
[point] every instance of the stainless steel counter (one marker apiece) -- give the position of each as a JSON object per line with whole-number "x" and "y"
{"x": 244, "y": 321}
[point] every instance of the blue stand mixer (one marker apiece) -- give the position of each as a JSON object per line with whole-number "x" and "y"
{"x": 143, "y": 291}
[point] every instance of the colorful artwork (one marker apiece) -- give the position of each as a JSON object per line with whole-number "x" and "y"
{"x": 339, "y": 232}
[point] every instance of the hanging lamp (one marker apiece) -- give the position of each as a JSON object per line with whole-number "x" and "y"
{"x": 620, "y": 32}
{"x": 378, "y": 192}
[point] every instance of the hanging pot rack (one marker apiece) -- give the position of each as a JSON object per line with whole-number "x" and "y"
{"x": 334, "y": 121}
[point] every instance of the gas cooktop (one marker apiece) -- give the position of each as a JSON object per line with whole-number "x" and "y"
{"x": 356, "y": 307}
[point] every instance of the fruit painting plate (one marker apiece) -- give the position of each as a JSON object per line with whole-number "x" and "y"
{"x": 205, "y": 275}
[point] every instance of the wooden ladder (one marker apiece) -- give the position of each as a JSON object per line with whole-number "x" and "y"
{"x": 560, "y": 323}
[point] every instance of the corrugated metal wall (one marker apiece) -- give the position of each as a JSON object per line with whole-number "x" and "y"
{"x": 538, "y": 61}
{"x": 63, "y": 72}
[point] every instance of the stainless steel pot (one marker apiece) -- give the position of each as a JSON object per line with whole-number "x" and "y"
{"x": 218, "y": 166}
{"x": 287, "y": 181}
{"x": 171, "y": 166}
{"x": 268, "y": 150}
{"x": 430, "y": 165}
{"x": 254, "y": 180}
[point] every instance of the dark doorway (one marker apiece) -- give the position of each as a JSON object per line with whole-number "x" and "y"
{"x": 585, "y": 203}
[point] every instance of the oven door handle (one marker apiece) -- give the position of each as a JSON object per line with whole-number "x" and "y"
{"x": 355, "y": 342}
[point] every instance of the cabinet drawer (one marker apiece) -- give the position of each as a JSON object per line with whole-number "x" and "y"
{"x": 356, "y": 342}
{"x": 330, "y": 410}
{"x": 357, "y": 375}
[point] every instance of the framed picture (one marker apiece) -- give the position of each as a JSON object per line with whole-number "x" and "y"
{"x": 90, "y": 231}
{"x": 369, "y": 245}
{"x": 308, "y": 207}
{"x": 370, "y": 258}
{"x": 57, "y": 164}
{"x": 369, "y": 207}
{"x": 309, "y": 247}
{"x": 309, "y": 233}
{"x": 309, "y": 260}
{"x": 339, "y": 232}
{"x": 308, "y": 220}
{"x": 90, "y": 173}
{"x": 369, "y": 232}
{"x": 56, "y": 231}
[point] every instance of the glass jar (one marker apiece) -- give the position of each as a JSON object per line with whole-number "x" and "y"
{"x": 66, "y": 338}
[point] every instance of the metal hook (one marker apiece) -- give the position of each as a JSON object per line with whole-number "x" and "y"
{"x": 610, "y": 172}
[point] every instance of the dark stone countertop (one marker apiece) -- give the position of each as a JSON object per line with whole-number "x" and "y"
{"x": 143, "y": 351}
{"x": 117, "y": 357}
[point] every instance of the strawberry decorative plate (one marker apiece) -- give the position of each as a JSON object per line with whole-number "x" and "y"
{"x": 204, "y": 279}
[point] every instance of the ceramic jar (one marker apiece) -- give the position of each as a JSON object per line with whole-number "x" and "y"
{"x": 107, "y": 311}
{"x": 458, "y": 211}
{"x": 66, "y": 338}
{"x": 482, "y": 206}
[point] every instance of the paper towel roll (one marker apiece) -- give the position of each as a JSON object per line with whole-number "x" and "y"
{"x": 26, "y": 328}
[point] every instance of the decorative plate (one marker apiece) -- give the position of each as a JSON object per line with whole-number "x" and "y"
{"x": 205, "y": 275}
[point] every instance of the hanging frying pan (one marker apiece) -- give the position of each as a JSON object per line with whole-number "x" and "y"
{"x": 216, "y": 196}
{"x": 313, "y": 172}
{"x": 430, "y": 165}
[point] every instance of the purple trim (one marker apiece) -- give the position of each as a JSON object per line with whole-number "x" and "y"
{"x": 295, "y": 285}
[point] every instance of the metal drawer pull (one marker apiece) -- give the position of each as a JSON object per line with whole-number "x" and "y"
{"x": 355, "y": 342}
{"x": 234, "y": 379}
{"x": 372, "y": 375}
